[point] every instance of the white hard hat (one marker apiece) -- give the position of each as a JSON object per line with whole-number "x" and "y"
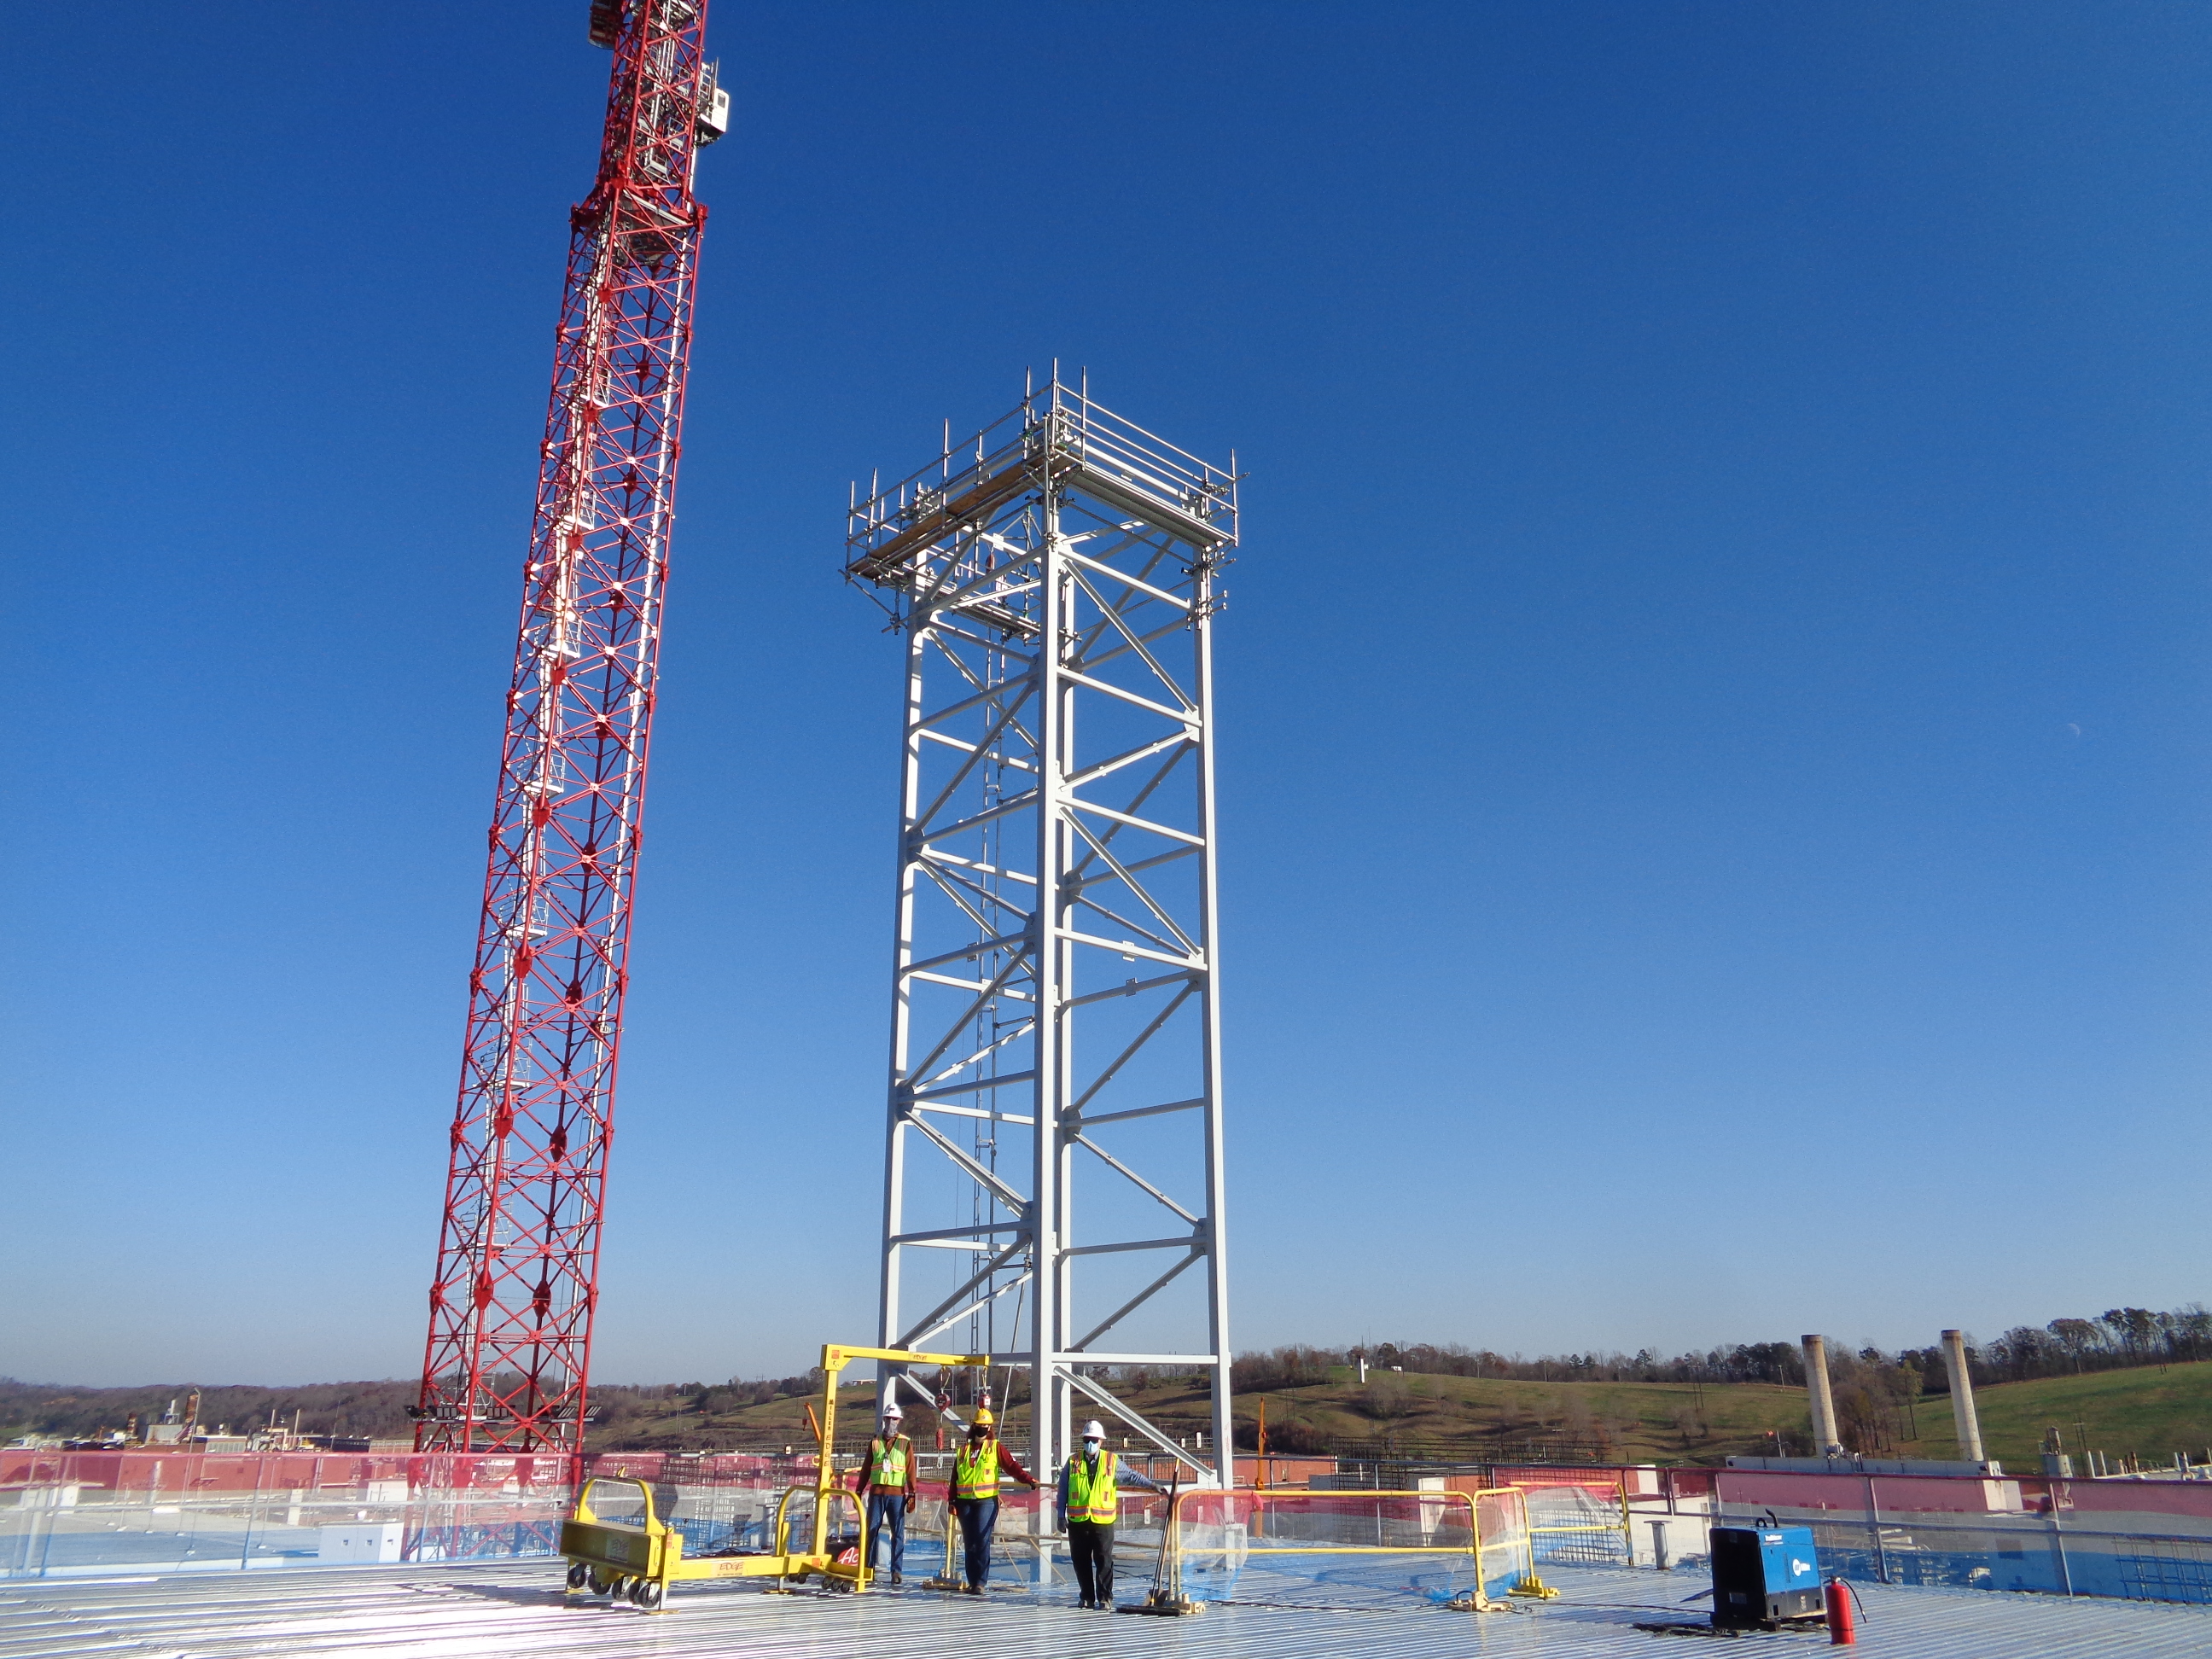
{"x": 891, "y": 1412}
{"x": 1094, "y": 1430}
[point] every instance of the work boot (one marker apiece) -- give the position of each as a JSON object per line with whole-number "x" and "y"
{"x": 1088, "y": 1603}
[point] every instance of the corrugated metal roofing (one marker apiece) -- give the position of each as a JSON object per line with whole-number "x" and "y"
{"x": 494, "y": 1611}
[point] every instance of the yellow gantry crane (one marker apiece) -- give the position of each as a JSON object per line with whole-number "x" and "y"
{"x": 638, "y": 1562}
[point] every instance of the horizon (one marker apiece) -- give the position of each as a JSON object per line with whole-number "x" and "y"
{"x": 1603, "y": 1356}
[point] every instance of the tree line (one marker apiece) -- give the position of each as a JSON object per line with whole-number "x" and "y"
{"x": 2118, "y": 1338}
{"x": 1873, "y": 1388}
{"x": 367, "y": 1410}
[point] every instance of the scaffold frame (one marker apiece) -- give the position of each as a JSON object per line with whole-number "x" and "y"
{"x": 1055, "y": 978}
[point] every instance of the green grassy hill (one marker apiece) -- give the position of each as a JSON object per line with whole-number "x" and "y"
{"x": 1451, "y": 1416}
{"x": 2152, "y": 1411}
{"x": 2149, "y": 1411}
{"x": 1488, "y": 1416}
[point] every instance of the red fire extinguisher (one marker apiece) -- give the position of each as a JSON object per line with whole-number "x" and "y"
{"x": 1843, "y": 1629}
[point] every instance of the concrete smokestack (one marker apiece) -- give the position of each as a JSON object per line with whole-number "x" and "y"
{"x": 1962, "y": 1397}
{"x": 1816, "y": 1389}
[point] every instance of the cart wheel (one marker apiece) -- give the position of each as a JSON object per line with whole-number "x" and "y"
{"x": 597, "y": 1580}
{"x": 617, "y": 1587}
{"x": 648, "y": 1594}
{"x": 578, "y": 1572}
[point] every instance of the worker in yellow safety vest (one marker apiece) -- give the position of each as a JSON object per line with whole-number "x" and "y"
{"x": 887, "y": 1483}
{"x": 1090, "y": 1504}
{"x": 976, "y": 1469}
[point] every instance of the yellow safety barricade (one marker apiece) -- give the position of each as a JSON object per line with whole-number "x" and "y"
{"x": 1214, "y": 1535}
{"x": 639, "y": 1560}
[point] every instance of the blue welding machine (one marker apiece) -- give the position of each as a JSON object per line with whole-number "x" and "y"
{"x": 1764, "y": 1576}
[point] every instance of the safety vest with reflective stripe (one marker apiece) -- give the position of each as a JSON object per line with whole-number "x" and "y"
{"x": 1091, "y": 1495}
{"x": 887, "y": 1462}
{"x": 976, "y": 1471}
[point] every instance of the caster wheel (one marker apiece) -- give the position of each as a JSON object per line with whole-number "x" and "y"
{"x": 597, "y": 1580}
{"x": 648, "y": 1594}
{"x": 579, "y": 1575}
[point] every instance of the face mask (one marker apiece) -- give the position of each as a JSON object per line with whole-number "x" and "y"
{"x": 1091, "y": 1445}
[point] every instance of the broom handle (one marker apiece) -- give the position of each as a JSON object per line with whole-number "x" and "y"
{"x": 1167, "y": 1527}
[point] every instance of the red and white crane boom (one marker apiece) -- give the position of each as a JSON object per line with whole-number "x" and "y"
{"x": 509, "y": 1351}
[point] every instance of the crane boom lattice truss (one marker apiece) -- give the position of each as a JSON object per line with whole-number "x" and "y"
{"x": 511, "y": 1307}
{"x": 1055, "y": 997}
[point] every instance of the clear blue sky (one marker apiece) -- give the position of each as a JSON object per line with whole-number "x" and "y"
{"x": 1713, "y": 700}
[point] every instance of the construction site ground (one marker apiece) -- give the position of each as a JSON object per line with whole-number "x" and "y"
{"x": 494, "y": 1611}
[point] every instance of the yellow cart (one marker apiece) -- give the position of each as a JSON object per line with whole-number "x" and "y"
{"x": 637, "y": 1563}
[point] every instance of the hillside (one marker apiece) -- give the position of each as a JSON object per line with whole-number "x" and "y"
{"x": 1411, "y": 1416}
{"x": 372, "y": 1409}
{"x": 2150, "y": 1412}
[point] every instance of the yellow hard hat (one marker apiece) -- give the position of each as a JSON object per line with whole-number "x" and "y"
{"x": 983, "y": 1418}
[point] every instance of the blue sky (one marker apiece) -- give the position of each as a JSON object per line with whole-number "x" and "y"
{"x": 1713, "y": 701}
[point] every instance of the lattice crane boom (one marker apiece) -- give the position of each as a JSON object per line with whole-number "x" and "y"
{"x": 509, "y": 1357}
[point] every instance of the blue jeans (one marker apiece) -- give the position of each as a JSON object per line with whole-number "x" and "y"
{"x": 979, "y": 1519}
{"x": 891, "y": 1507}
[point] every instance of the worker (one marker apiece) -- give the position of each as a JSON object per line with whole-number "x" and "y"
{"x": 1090, "y": 1504}
{"x": 887, "y": 1483}
{"x": 975, "y": 1469}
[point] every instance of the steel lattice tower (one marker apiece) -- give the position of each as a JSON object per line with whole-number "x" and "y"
{"x": 1056, "y": 998}
{"x": 511, "y": 1307}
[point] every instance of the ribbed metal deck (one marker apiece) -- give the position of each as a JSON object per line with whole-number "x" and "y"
{"x": 517, "y": 1608}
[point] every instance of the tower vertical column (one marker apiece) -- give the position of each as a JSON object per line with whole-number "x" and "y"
{"x": 1217, "y": 1187}
{"x": 903, "y": 956}
{"x": 1049, "y": 1192}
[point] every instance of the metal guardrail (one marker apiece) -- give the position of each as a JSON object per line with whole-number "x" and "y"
{"x": 2033, "y": 1554}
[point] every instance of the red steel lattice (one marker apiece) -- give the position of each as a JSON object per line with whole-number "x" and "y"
{"x": 509, "y": 1349}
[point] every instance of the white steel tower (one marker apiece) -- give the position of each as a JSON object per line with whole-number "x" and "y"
{"x": 1055, "y": 999}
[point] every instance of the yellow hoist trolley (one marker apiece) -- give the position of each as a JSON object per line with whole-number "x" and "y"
{"x": 637, "y": 1563}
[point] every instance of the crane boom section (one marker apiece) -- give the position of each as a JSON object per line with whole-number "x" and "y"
{"x": 508, "y": 1360}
